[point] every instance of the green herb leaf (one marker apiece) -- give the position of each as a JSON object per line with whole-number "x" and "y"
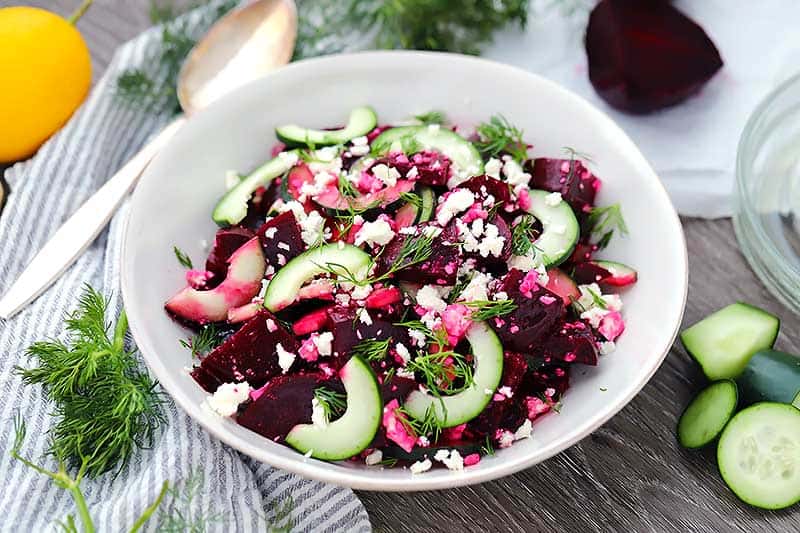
{"x": 486, "y": 309}
{"x": 181, "y": 513}
{"x": 443, "y": 372}
{"x": 602, "y": 222}
{"x": 182, "y": 257}
{"x": 372, "y": 350}
{"x": 201, "y": 344}
{"x": 332, "y": 402}
{"x": 431, "y": 117}
{"x": 429, "y": 426}
{"x": 523, "y": 235}
{"x": 412, "y": 198}
{"x": 500, "y": 136}
{"x": 488, "y": 448}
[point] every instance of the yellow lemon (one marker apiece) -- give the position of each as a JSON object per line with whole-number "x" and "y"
{"x": 45, "y": 73}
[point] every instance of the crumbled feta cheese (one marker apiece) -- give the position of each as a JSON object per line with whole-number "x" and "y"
{"x": 500, "y": 296}
{"x": 477, "y": 227}
{"x": 388, "y": 175}
{"x": 360, "y": 292}
{"x": 505, "y": 391}
{"x": 514, "y": 173}
{"x": 423, "y": 441}
{"x": 594, "y": 316}
{"x": 289, "y": 158}
{"x": 360, "y": 141}
{"x": 374, "y": 458}
{"x": 284, "y": 246}
{"x": 455, "y": 461}
{"x": 492, "y": 168}
{"x": 429, "y": 297}
{"x": 413, "y": 173}
{"x": 457, "y": 201}
{"x": 285, "y": 358}
{"x": 433, "y": 127}
{"x": 269, "y": 233}
{"x": 418, "y": 337}
{"x": 441, "y": 455}
{"x": 379, "y": 232}
{"x": 421, "y": 466}
{"x": 342, "y": 298}
{"x": 606, "y": 347}
{"x": 477, "y": 288}
{"x": 524, "y": 431}
{"x": 360, "y": 146}
{"x": 552, "y": 199}
{"x": 492, "y": 243}
{"x": 263, "y": 290}
{"x": 318, "y": 416}
{"x": 613, "y": 302}
{"x": 225, "y": 401}
{"x": 312, "y": 228}
{"x": 363, "y": 317}
{"x": 525, "y": 263}
{"x": 403, "y": 372}
{"x": 324, "y": 343}
{"x": 403, "y": 352}
{"x": 281, "y": 259}
{"x": 272, "y": 327}
{"x": 506, "y": 439}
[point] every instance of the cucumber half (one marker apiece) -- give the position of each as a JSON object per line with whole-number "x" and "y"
{"x": 232, "y": 208}
{"x": 723, "y": 342}
{"x": 705, "y": 417}
{"x": 413, "y": 139}
{"x": 362, "y": 121}
{"x": 467, "y": 404}
{"x": 770, "y": 376}
{"x": 355, "y": 429}
{"x": 560, "y": 228}
{"x": 283, "y": 288}
{"x": 759, "y": 455}
{"x": 410, "y": 213}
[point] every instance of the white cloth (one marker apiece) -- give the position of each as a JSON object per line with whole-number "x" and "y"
{"x": 692, "y": 146}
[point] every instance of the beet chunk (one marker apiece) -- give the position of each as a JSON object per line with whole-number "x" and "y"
{"x": 287, "y": 232}
{"x": 501, "y": 413}
{"x": 484, "y": 185}
{"x": 546, "y": 376}
{"x": 227, "y": 241}
{"x": 645, "y": 55}
{"x": 284, "y": 402}
{"x": 572, "y": 343}
{"x": 348, "y": 331}
{"x": 433, "y": 168}
{"x": 533, "y": 319}
{"x": 585, "y": 273}
{"x": 249, "y": 355}
{"x": 577, "y": 185}
{"x": 441, "y": 268}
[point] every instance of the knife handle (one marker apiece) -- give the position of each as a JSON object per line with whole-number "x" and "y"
{"x": 81, "y": 229}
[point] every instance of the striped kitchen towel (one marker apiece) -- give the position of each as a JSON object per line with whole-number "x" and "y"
{"x": 237, "y": 493}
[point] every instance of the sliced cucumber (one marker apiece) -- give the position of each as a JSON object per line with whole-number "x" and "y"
{"x": 362, "y": 121}
{"x": 467, "y": 404}
{"x": 428, "y": 204}
{"x": 413, "y": 139}
{"x": 411, "y": 213}
{"x": 770, "y": 376}
{"x": 705, "y": 417}
{"x": 759, "y": 455}
{"x": 724, "y": 341}
{"x": 560, "y": 228}
{"x": 340, "y": 257}
{"x": 355, "y": 429}
{"x": 232, "y": 208}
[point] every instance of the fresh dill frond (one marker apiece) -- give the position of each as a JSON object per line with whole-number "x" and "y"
{"x": 412, "y": 198}
{"x": 281, "y": 520}
{"x": 333, "y": 403}
{"x": 204, "y": 342}
{"x": 107, "y": 406}
{"x": 372, "y": 350}
{"x": 488, "y": 447}
{"x": 438, "y": 337}
{"x": 523, "y": 235}
{"x": 575, "y": 155}
{"x": 431, "y": 117}
{"x": 442, "y": 371}
{"x": 458, "y": 288}
{"x": 597, "y": 299}
{"x": 499, "y": 136}
{"x": 346, "y": 188}
{"x": 182, "y": 257}
{"x": 389, "y": 462}
{"x": 408, "y": 144}
{"x": 486, "y": 309}
{"x": 181, "y": 512}
{"x": 602, "y": 222}
{"x": 429, "y": 425}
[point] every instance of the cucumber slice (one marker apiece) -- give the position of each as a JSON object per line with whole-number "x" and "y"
{"x": 232, "y": 208}
{"x": 355, "y": 429}
{"x": 560, "y": 228}
{"x": 467, "y": 404}
{"x": 362, "y": 121}
{"x": 724, "y": 341}
{"x": 759, "y": 455}
{"x": 428, "y": 204}
{"x": 413, "y": 139}
{"x": 410, "y": 213}
{"x": 770, "y": 376}
{"x": 283, "y": 288}
{"x": 706, "y": 415}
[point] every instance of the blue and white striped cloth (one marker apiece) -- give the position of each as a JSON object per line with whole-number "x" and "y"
{"x": 44, "y": 191}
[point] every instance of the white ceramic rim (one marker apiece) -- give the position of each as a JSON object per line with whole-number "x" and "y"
{"x": 344, "y": 477}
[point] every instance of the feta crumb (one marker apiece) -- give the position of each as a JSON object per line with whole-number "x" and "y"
{"x": 284, "y": 246}
{"x": 312, "y": 228}
{"x": 606, "y": 347}
{"x": 500, "y": 296}
{"x": 318, "y": 416}
{"x": 552, "y": 199}
{"x": 342, "y": 298}
{"x": 514, "y": 173}
{"x": 404, "y": 372}
{"x": 492, "y": 168}
{"x": 594, "y": 316}
{"x": 455, "y": 461}
{"x": 360, "y": 292}
{"x": 324, "y": 343}
{"x": 225, "y": 401}
{"x": 421, "y": 466}
{"x": 433, "y": 127}
{"x": 285, "y": 358}
{"x": 418, "y": 337}
{"x": 506, "y": 439}
{"x": 477, "y": 288}
{"x": 441, "y": 455}
{"x": 525, "y": 263}
{"x": 374, "y": 458}
{"x": 505, "y": 390}
{"x": 289, "y": 158}
{"x": 379, "y": 232}
{"x": 492, "y": 243}
{"x": 428, "y": 297}
{"x": 524, "y": 431}
{"x": 363, "y": 317}
{"x": 403, "y": 352}
{"x": 269, "y": 233}
{"x": 272, "y": 327}
{"x": 388, "y": 175}
{"x": 457, "y": 201}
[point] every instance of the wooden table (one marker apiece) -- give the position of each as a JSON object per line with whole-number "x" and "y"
{"x": 630, "y": 475}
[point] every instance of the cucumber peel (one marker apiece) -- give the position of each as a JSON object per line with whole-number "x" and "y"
{"x": 362, "y": 120}
{"x": 706, "y": 415}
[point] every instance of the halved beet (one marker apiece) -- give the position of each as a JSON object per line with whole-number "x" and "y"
{"x": 534, "y": 318}
{"x": 281, "y": 404}
{"x": 285, "y": 240}
{"x": 604, "y": 273}
{"x": 572, "y": 343}
{"x": 397, "y": 388}
{"x": 645, "y": 54}
{"x": 485, "y": 185}
{"x": 249, "y": 355}
{"x": 441, "y": 268}
{"x": 494, "y": 415}
{"x": 227, "y": 241}
{"x": 546, "y": 376}
{"x": 577, "y": 185}
{"x": 348, "y": 331}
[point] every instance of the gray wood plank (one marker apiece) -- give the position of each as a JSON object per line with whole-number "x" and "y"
{"x": 630, "y": 475}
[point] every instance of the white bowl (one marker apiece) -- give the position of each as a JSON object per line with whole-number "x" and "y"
{"x": 172, "y": 206}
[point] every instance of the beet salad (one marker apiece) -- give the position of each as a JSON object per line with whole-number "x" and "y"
{"x": 412, "y": 295}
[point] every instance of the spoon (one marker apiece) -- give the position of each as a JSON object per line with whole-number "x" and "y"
{"x": 245, "y": 44}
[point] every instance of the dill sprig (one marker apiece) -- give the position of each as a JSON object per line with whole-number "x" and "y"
{"x": 523, "y": 235}
{"x": 488, "y": 448}
{"x": 333, "y": 403}
{"x": 182, "y": 257}
{"x": 458, "y": 288}
{"x": 282, "y": 521}
{"x": 372, "y": 350}
{"x": 412, "y": 198}
{"x": 201, "y": 344}
{"x": 346, "y": 188}
{"x": 442, "y": 371}
{"x": 604, "y": 221}
{"x": 500, "y": 136}
{"x": 431, "y": 117}
{"x": 429, "y": 425}
{"x": 486, "y": 309}
{"x": 106, "y": 405}
{"x": 389, "y": 462}
{"x": 438, "y": 337}
{"x": 181, "y": 514}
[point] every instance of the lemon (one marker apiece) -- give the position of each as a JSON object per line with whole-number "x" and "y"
{"x": 45, "y": 74}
